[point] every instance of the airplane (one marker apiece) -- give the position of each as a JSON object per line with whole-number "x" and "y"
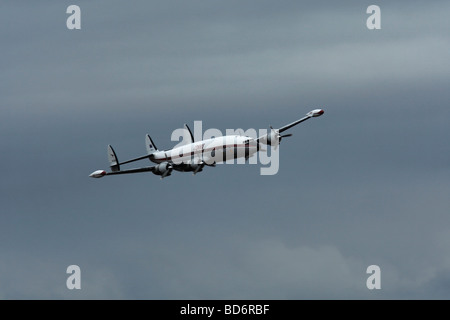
{"x": 195, "y": 155}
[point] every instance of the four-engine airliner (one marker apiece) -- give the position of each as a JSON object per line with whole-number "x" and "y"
{"x": 195, "y": 155}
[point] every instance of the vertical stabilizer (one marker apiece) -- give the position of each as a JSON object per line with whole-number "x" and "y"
{"x": 112, "y": 159}
{"x": 151, "y": 148}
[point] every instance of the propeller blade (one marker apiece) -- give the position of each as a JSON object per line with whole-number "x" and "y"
{"x": 286, "y": 135}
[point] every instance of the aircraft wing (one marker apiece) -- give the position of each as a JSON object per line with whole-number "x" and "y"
{"x": 274, "y": 138}
{"x": 311, "y": 114}
{"x": 101, "y": 173}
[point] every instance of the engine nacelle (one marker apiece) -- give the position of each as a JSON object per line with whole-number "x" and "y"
{"x": 163, "y": 169}
{"x": 271, "y": 139}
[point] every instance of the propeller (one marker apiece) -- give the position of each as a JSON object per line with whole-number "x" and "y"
{"x": 168, "y": 171}
{"x": 285, "y": 135}
{"x": 199, "y": 167}
{"x": 274, "y": 138}
{"x": 279, "y": 136}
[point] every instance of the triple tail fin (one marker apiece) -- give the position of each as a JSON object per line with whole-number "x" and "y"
{"x": 114, "y": 163}
{"x": 151, "y": 148}
{"x": 112, "y": 159}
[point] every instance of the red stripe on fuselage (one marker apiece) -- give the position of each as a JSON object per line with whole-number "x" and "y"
{"x": 203, "y": 150}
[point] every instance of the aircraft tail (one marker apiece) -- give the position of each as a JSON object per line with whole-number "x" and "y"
{"x": 114, "y": 163}
{"x": 151, "y": 148}
{"x": 112, "y": 159}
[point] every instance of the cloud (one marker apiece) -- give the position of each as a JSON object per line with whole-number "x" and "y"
{"x": 364, "y": 184}
{"x": 40, "y": 277}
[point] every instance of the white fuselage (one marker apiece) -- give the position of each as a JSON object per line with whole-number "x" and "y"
{"x": 211, "y": 151}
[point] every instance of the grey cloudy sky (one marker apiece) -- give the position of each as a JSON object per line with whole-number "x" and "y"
{"x": 367, "y": 183}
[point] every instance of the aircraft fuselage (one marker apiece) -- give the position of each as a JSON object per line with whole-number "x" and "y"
{"x": 211, "y": 151}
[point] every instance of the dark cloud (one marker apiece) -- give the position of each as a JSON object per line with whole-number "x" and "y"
{"x": 365, "y": 184}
